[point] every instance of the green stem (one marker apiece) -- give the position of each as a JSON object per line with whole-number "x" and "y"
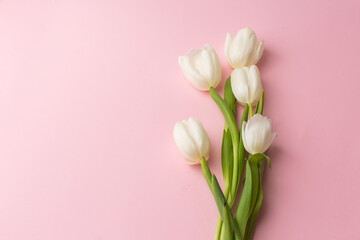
{"x": 206, "y": 172}
{"x": 250, "y": 110}
{"x": 218, "y": 229}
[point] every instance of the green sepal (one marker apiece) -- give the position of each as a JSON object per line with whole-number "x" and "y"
{"x": 258, "y": 157}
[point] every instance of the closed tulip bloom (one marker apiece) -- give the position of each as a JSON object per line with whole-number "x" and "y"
{"x": 256, "y": 134}
{"x": 246, "y": 84}
{"x": 244, "y": 49}
{"x": 202, "y": 67}
{"x": 192, "y": 140}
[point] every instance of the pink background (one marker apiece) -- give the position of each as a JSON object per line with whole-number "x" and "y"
{"x": 90, "y": 91}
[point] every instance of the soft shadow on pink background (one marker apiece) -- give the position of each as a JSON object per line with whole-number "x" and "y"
{"x": 90, "y": 91}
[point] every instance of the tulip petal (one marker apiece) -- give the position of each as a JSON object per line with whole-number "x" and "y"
{"x": 216, "y": 77}
{"x": 199, "y": 136}
{"x": 205, "y": 67}
{"x": 239, "y": 85}
{"x": 257, "y": 134}
{"x": 186, "y": 143}
{"x": 255, "y": 87}
{"x": 271, "y": 137}
{"x": 242, "y": 47}
{"x": 202, "y": 67}
{"x": 228, "y": 41}
{"x": 258, "y": 51}
{"x": 243, "y": 131}
{"x": 191, "y": 74}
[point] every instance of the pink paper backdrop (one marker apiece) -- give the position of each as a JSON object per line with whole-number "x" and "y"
{"x": 90, "y": 91}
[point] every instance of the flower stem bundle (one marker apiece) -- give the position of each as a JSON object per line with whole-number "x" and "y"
{"x": 243, "y": 145}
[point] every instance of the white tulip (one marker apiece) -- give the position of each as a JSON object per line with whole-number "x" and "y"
{"x": 202, "y": 67}
{"x": 244, "y": 49}
{"x": 246, "y": 84}
{"x": 192, "y": 140}
{"x": 256, "y": 134}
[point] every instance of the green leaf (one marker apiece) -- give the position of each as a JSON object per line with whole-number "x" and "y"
{"x": 221, "y": 201}
{"x": 227, "y": 230}
{"x": 251, "y": 223}
{"x": 249, "y": 197}
{"x": 242, "y": 151}
{"x": 226, "y": 111}
{"x": 227, "y": 159}
{"x": 231, "y": 123}
{"x": 260, "y": 104}
{"x": 256, "y": 108}
{"x": 227, "y": 154}
{"x": 229, "y": 96}
{"x": 219, "y": 196}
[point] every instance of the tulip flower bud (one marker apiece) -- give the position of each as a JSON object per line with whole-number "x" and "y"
{"x": 256, "y": 134}
{"x": 246, "y": 84}
{"x": 192, "y": 140}
{"x": 202, "y": 67}
{"x": 244, "y": 49}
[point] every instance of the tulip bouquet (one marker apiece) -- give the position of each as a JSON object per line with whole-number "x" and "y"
{"x": 244, "y": 144}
